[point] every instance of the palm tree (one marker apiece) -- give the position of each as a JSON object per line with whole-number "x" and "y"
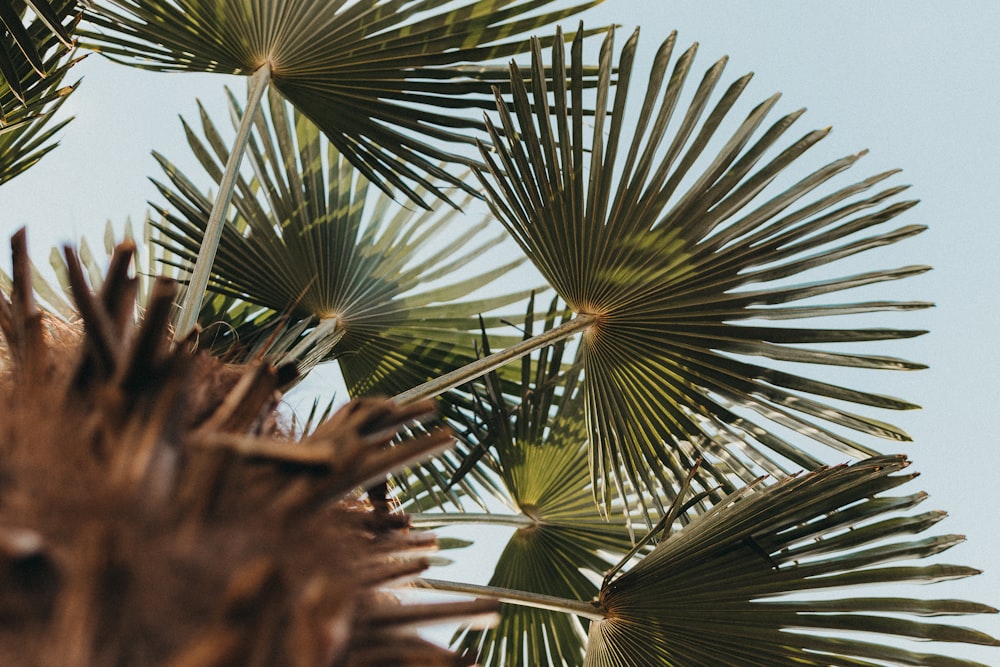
{"x": 668, "y": 485}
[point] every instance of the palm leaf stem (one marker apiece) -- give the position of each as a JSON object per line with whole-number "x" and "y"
{"x": 433, "y": 519}
{"x": 481, "y": 367}
{"x": 663, "y": 525}
{"x": 188, "y": 316}
{"x": 511, "y": 596}
{"x": 327, "y": 333}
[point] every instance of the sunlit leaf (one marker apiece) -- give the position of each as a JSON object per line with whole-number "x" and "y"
{"x": 537, "y": 445}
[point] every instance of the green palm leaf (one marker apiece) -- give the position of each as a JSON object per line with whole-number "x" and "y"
{"x": 537, "y": 446}
{"x": 675, "y": 280}
{"x": 387, "y": 81}
{"x": 564, "y": 538}
{"x": 719, "y": 591}
{"x": 31, "y": 89}
{"x": 27, "y": 44}
{"x": 307, "y": 245}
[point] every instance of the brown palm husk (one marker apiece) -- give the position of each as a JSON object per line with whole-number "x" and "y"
{"x": 152, "y": 513}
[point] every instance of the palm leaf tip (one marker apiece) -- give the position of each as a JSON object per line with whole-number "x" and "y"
{"x": 680, "y": 279}
{"x": 29, "y": 37}
{"x": 388, "y": 81}
{"x": 729, "y": 587}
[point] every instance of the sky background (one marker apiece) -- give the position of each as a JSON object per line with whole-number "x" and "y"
{"x": 914, "y": 82}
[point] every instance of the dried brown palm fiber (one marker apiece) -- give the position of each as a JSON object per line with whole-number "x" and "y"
{"x": 150, "y": 514}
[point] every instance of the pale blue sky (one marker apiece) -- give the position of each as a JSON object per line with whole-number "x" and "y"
{"x": 914, "y": 82}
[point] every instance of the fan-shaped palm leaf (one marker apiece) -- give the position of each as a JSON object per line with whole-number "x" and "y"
{"x": 664, "y": 280}
{"x": 731, "y": 588}
{"x": 717, "y": 591}
{"x": 305, "y": 242}
{"x": 370, "y": 274}
{"x": 31, "y": 90}
{"x": 562, "y": 538}
{"x": 379, "y": 78}
{"x": 28, "y": 43}
{"x": 538, "y": 447}
{"x": 374, "y": 76}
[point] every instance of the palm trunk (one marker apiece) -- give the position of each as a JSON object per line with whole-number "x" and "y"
{"x": 481, "y": 367}
{"x": 195, "y": 292}
{"x": 511, "y": 596}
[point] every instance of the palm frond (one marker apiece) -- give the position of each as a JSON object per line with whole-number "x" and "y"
{"x": 538, "y": 447}
{"x": 31, "y": 89}
{"x": 481, "y": 411}
{"x": 731, "y": 588}
{"x": 565, "y": 539}
{"x": 387, "y": 81}
{"x": 27, "y": 43}
{"x": 305, "y": 243}
{"x": 677, "y": 279}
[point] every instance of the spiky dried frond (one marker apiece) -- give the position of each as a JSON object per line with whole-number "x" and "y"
{"x": 151, "y": 513}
